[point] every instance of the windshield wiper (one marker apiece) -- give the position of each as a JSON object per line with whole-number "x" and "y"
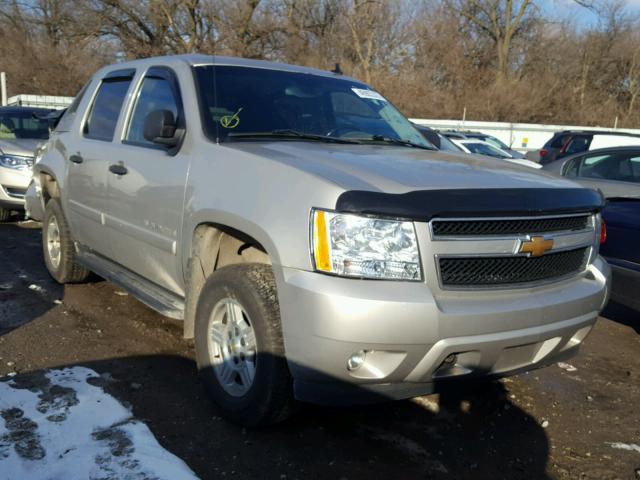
{"x": 290, "y": 133}
{"x": 397, "y": 141}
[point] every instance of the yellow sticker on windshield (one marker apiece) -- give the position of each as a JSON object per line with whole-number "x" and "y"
{"x": 231, "y": 121}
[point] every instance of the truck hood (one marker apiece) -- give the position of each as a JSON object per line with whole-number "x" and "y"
{"x": 24, "y": 147}
{"x": 393, "y": 169}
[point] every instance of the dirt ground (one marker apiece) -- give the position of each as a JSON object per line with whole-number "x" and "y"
{"x": 551, "y": 423}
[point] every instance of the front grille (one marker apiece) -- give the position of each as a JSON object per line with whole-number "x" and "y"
{"x": 490, "y": 271}
{"x": 16, "y": 192}
{"x": 451, "y": 228}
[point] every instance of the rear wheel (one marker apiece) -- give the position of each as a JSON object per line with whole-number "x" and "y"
{"x": 58, "y": 248}
{"x": 239, "y": 347}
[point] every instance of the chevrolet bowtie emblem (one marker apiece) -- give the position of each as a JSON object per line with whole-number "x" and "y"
{"x": 536, "y": 246}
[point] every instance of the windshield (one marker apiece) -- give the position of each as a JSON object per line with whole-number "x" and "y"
{"x": 239, "y": 101}
{"x": 495, "y": 142}
{"x": 485, "y": 149}
{"x": 447, "y": 145}
{"x": 16, "y": 125}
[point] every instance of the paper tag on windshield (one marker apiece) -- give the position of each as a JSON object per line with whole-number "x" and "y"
{"x": 363, "y": 93}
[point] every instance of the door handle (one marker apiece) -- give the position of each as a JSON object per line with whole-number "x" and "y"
{"x": 118, "y": 169}
{"x": 76, "y": 158}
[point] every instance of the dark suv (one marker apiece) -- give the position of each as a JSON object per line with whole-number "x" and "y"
{"x": 568, "y": 142}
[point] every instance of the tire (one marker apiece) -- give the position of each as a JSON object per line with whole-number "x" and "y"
{"x": 268, "y": 398}
{"x": 4, "y": 214}
{"x": 63, "y": 267}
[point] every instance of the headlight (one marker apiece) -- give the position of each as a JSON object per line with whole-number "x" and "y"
{"x": 15, "y": 161}
{"x": 365, "y": 247}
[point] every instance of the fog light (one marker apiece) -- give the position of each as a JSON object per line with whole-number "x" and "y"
{"x": 451, "y": 359}
{"x": 356, "y": 360}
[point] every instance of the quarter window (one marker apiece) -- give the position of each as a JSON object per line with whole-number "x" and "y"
{"x": 572, "y": 167}
{"x": 101, "y": 124}
{"x": 155, "y": 94}
{"x": 64, "y": 124}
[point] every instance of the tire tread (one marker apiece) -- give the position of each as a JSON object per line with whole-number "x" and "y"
{"x": 276, "y": 402}
{"x": 69, "y": 270}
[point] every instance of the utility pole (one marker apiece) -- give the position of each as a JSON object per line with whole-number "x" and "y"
{"x": 3, "y": 88}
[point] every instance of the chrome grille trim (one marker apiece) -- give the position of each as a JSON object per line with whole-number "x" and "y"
{"x": 476, "y": 247}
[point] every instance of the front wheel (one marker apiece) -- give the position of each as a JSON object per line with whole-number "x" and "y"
{"x": 239, "y": 347}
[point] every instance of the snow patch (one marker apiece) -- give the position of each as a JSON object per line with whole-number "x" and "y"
{"x": 55, "y": 424}
{"x": 625, "y": 446}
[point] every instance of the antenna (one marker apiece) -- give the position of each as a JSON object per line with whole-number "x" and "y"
{"x": 337, "y": 70}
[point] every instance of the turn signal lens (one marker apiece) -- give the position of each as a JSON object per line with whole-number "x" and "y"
{"x": 603, "y": 232}
{"x": 320, "y": 242}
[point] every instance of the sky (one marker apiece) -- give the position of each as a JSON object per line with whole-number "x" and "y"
{"x": 569, "y": 9}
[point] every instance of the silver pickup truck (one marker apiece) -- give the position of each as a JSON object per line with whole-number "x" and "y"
{"x": 315, "y": 245}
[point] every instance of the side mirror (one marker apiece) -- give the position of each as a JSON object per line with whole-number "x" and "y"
{"x": 160, "y": 127}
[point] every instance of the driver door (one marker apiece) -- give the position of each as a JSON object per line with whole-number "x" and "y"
{"x": 146, "y": 188}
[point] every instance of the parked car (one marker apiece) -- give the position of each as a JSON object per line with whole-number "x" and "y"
{"x": 568, "y": 142}
{"x": 315, "y": 245}
{"x": 496, "y": 142}
{"x": 20, "y": 134}
{"x": 614, "y": 171}
{"x": 437, "y": 139}
{"x": 480, "y": 147}
{"x": 622, "y": 217}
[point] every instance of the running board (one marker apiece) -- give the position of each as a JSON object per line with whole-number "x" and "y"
{"x": 162, "y": 301}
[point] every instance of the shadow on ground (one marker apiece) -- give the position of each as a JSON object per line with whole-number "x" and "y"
{"x": 26, "y": 289}
{"x": 475, "y": 434}
{"x": 622, "y": 314}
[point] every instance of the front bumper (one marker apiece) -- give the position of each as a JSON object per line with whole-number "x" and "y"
{"x": 34, "y": 205}
{"x": 13, "y": 185}
{"x": 408, "y": 333}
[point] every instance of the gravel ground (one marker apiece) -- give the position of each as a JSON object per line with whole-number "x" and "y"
{"x": 551, "y": 423}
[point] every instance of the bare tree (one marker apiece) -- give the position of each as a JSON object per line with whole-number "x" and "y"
{"x": 498, "y": 59}
{"x": 500, "y": 20}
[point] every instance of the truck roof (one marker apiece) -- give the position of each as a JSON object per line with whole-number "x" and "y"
{"x": 200, "y": 60}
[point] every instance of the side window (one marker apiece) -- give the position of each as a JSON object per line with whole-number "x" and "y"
{"x": 600, "y": 166}
{"x": 578, "y": 144}
{"x": 557, "y": 142}
{"x": 634, "y": 164}
{"x": 572, "y": 167}
{"x": 155, "y": 94}
{"x": 101, "y": 124}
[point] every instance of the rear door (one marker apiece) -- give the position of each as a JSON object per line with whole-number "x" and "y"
{"x": 88, "y": 157}
{"x": 146, "y": 200}
{"x": 615, "y": 174}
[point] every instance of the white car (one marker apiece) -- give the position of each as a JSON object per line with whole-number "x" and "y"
{"x": 481, "y": 147}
